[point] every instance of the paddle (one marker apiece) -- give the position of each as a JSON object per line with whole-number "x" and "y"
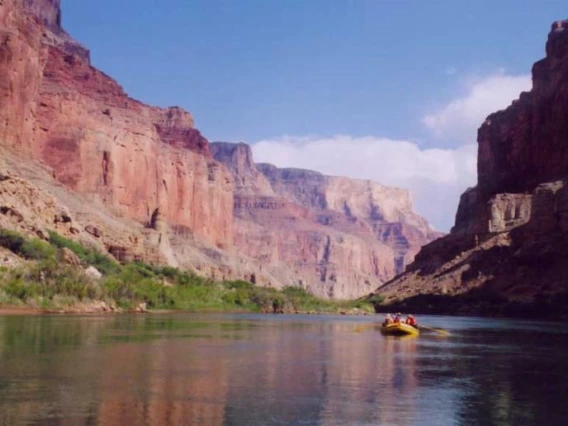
{"x": 365, "y": 327}
{"x": 437, "y": 330}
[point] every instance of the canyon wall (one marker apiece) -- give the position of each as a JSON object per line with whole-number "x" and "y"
{"x": 130, "y": 157}
{"x": 509, "y": 239}
{"x": 339, "y": 237}
{"x": 143, "y": 184}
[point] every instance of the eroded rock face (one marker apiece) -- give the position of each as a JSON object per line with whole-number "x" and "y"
{"x": 20, "y": 201}
{"x": 359, "y": 205}
{"x": 131, "y": 157}
{"x": 510, "y": 234}
{"x": 337, "y": 237}
{"x": 247, "y": 178}
{"x": 525, "y": 144}
{"x": 47, "y": 11}
{"x": 142, "y": 183}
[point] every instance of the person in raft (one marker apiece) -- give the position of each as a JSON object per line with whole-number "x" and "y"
{"x": 410, "y": 320}
{"x": 397, "y": 318}
{"x": 388, "y": 320}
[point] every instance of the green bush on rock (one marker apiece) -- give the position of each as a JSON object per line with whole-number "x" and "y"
{"x": 46, "y": 281}
{"x": 88, "y": 256}
{"x": 38, "y": 250}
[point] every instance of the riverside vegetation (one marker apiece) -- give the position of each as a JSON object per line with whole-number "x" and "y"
{"x": 45, "y": 281}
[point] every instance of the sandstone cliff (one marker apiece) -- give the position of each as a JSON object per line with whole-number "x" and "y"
{"x": 140, "y": 179}
{"x": 130, "y": 157}
{"x": 509, "y": 240}
{"x": 339, "y": 237}
{"x": 141, "y": 182}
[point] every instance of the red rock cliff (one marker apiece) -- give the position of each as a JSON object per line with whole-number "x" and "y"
{"x": 143, "y": 165}
{"x": 133, "y": 158}
{"x": 337, "y": 237}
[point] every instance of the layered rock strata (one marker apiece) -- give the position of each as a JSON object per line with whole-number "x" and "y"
{"x": 338, "y": 237}
{"x": 130, "y": 157}
{"x": 510, "y": 235}
{"x": 142, "y": 183}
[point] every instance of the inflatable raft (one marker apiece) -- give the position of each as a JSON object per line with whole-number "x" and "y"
{"x": 399, "y": 329}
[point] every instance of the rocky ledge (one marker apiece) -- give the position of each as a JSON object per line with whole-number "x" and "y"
{"x": 507, "y": 252}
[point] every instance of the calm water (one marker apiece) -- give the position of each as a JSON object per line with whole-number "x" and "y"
{"x": 279, "y": 370}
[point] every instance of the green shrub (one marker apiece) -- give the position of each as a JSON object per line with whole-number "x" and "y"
{"x": 190, "y": 279}
{"x": 154, "y": 294}
{"x": 118, "y": 289}
{"x": 17, "y": 288}
{"x": 36, "y": 249}
{"x": 166, "y": 271}
{"x": 49, "y": 278}
{"x": 61, "y": 242}
{"x": 266, "y": 299}
{"x": 102, "y": 262}
{"x": 239, "y": 285}
{"x": 242, "y": 297}
{"x": 376, "y": 299}
{"x": 48, "y": 269}
{"x": 142, "y": 269}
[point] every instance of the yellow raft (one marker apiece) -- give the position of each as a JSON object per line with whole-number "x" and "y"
{"x": 399, "y": 329}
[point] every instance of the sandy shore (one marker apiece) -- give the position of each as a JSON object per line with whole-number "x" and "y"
{"x": 23, "y": 310}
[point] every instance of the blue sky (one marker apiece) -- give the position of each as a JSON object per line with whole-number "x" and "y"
{"x": 305, "y": 80}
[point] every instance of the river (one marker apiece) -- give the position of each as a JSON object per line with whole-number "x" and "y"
{"x": 185, "y": 369}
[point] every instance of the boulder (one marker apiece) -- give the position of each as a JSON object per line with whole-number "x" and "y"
{"x": 93, "y": 273}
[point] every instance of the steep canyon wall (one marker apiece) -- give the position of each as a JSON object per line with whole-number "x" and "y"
{"x": 509, "y": 239}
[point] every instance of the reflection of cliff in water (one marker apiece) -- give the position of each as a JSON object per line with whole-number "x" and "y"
{"x": 164, "y": 385}
{"x": 322, "y": 374}
{"x": 182, "y": 369}
{"x": 512, "y": 378}
{"x": 107, "y": 376}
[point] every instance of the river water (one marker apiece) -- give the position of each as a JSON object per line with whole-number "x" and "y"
{"x": 185, "y": 369}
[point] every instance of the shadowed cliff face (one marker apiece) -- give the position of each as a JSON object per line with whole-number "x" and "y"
{"x": 47, "y": 11}
{"x": 339, "y": 237}
{"x": 525, "y": 145}
{"x": 131, "y": 157}
{"x": 509, "y": 241}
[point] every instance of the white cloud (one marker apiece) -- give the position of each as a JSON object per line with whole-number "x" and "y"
{"x": 457, "y": 122}
{"x": 436, "y": 177}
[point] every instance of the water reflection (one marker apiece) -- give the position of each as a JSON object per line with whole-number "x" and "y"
{"x": 248, "y": 370}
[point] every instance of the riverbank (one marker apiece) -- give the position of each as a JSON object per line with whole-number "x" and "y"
{"x": 86, "y": 310}
{"x": 63, "y": 276}
{"x": 480, "y": 303}
{"x": 19, "y": 311}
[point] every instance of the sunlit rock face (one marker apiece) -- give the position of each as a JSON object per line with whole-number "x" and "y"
{"x": 131, "y": 157}
{"x": 142, "y": 182}
{"x": 336, "y": 236}
{"x": 509, "y": 238}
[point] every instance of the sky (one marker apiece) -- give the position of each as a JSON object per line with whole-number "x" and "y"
{"x": 391, "y": 91}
